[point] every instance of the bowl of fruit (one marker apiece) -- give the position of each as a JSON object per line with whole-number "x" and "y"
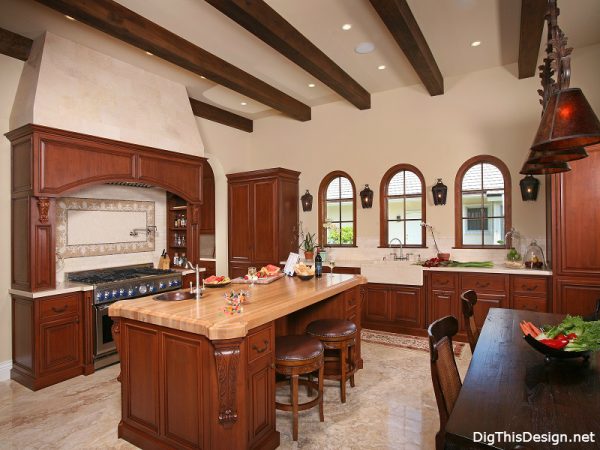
{"x": 572, "y": 338}
{"x": 304, "y": 272}
{"x": 216, "y": 281}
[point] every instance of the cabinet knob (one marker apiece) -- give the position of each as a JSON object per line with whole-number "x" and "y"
{"x": 76, "y": 319}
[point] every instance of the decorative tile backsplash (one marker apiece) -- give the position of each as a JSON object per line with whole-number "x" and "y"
{"x": 95, "y": 227}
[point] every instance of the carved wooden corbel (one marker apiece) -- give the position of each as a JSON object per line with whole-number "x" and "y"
{"x": 43, "y": 205}
{"x": 227, "y": 357}
{"x": 116, "y": 334}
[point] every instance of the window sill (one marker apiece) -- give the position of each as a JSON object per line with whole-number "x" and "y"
{"x": 481, "y": 247}
{"x": 404, "y": 246}
{"x": 339, "y": 246}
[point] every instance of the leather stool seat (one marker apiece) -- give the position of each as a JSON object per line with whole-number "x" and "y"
{"x": 297, "y": 348}
{"x": 331, "y": 328}
{"x": 296, "y": 356}
{"x": 337, "y": 335}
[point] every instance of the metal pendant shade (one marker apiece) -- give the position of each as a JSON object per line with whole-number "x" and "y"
{"x": 545, "y": 169}
{"x": 568, "y": 122}
{"x": 572, "y": 154}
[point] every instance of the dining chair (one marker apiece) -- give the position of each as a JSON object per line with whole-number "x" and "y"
{"x": 444, "y": 372}
{"x": 595, "y": 315}
{"x": 468, "y": 300}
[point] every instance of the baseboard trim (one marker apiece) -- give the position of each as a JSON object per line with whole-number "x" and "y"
{"x": 5, "y": 367}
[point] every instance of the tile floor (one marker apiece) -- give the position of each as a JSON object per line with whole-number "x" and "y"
{"x": 391, "y": 407}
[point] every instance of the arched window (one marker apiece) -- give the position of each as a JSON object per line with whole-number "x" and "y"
{"x": 337, "y": 210}
{"x": 483, "y": 203}
{"x": 402, "y": 207}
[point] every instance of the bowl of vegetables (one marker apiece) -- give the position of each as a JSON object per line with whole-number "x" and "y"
{"x": 572, "y": 338}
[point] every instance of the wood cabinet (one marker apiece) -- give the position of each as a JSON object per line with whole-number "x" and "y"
{"x": 395, "y": 308}
{"x": 48, "y": 339}
{"x": 529, "y": 293}
{"x": 575, "y": 243}
{"x": 443, "y": 296}
{"x": 492, "y": 292}
{"x": 263, "y": 218}
{"x": 48, "y": 163}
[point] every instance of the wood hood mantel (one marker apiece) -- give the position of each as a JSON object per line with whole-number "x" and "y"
{"x": 47, "y": 163}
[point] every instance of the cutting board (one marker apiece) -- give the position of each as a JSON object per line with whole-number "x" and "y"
{"x": 240, "y": 280}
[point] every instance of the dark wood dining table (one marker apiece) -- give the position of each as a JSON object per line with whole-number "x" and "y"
{"x": 509, "y": 387}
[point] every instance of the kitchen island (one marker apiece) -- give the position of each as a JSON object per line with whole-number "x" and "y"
{"x": 195, "y": 377}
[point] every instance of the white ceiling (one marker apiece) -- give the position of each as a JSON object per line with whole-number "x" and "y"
{"x": 448, "y": 25}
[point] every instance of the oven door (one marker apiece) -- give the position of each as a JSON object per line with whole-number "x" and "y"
{"x": 103, "y": 339}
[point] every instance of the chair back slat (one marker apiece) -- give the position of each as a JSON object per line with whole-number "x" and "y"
{"x": 468, "y": 300}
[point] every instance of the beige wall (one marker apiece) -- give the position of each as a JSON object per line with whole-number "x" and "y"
{"x": 10, "y": 70}
{"x": 487, "y": 112}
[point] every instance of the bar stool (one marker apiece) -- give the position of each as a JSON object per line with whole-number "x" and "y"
{"x": 295, "y": 356}
{"x": 339, "y": 335}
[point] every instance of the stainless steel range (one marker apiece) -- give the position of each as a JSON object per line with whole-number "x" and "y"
{"x": 120, "y": 283}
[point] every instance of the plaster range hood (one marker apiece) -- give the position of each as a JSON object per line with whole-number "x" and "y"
{"x": 70, "y": 87}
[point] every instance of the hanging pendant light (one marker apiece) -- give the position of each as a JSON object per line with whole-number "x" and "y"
{"x": 557, "y": 156}
{"x": 439, "y": 191}
{"x": 529, "y": 188}
{"x": 568, "y": 122}
{"x": 307, "y": 201}
{"x": 366, "y": 197}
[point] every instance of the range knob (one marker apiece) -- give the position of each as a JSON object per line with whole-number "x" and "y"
{"x": 142, "y": 289}
{"x": 130, "y": 292}
{"x": 151, "y": 288}
{"x": 171, "y": 283}
{"x": 106, "y": 295}
{"x": 162, "y": 285}
{"x": 115, "y": 293}
{"x": 98, "y": 295}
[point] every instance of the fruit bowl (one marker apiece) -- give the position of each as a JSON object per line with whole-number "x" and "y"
{"x": 306, "y": 277}
{"x": 550, "y": 352}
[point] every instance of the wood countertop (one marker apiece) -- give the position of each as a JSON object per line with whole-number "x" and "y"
{"x": 206, "y": 316}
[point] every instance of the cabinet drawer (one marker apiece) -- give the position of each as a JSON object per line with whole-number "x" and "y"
{"x": 482, "y": 283}
{"x": 260, "y": 344}
{"x": 529, "y": 303}
{"x": 445, "y": 281}
{"x": 60, "y": 305}
{"x": 530, "y": 285}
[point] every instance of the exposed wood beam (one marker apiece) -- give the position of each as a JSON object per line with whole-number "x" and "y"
{"x": 265, "y": 23}
{"x": 532, "y": 25}
{"x": 117, "y": 21}
{"x": 219, "y": 115}
{"x": 399, "y": 20}
{"x": 14, "y": 45}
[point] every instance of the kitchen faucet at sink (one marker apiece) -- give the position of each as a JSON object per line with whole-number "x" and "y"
{"x": 197, "y": 290}
{"x": 397, "y": 257}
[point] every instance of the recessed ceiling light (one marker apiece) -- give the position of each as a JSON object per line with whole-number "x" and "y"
{"x": 346, "y": 26}
{"x": 475, "y": 43}
{"x": 243, "y": 103}
{"x": 149, "y": 53}
{"x": 69, "y": 17}
{"x": 381, "y": 67}
{"x": 311, "y": 85}
{"x": 364, "y": 47}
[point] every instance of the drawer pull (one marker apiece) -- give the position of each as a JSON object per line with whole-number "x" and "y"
{"x": 59, "y": 310}
{"x": 76, "y": 320}
{"x": 529, "y": 288}
{"x": 261, "y": 350}
{"x": 443, "y": 282}
{"x": 482, "y": 285}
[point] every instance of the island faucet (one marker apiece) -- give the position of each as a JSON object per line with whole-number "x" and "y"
{"x": 401, "y": 257}
{"x": 197, "y": 290}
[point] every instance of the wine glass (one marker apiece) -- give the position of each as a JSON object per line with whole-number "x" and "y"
{"x": 252, "y": 274}
{"x": 332, "y": 263}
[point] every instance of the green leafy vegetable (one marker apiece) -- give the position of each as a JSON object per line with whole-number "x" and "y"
{"x": 588, "y": 333}
{"x": 479, "y": 264}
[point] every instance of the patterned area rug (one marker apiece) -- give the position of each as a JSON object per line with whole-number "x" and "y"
{"x": 404, "y": 340}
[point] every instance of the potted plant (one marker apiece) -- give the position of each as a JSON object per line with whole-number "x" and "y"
{"x": 308, "y": 244}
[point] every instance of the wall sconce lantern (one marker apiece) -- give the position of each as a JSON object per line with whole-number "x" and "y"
{"x": 440, "y": 192}
{"x": 529, "y": 188}
{"x": 306, "y": 200}
{"x": 366, "y": 197}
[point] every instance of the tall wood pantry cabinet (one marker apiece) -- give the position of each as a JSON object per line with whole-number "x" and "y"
{"x": 575, "y": 200}
{"x": 263, "y": 218}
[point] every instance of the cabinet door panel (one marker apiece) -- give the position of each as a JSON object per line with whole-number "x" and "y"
{"x": 484, "y": 303}
{"x": 442, "y": 304}
{"x": 377, "y": 306}
{"x": 407, "y": 306}
{"x": 262, "y": 404}
{"x": 577, "y": 296}
{"x": 240, "y": 223}
{"x": 529, "y": 303}
{"x": 265, "y": 221}
{"x": 61, "y": 344}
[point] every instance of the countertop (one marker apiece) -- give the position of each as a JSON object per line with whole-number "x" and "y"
{"x": 499, "y": 268}
{"x": 69, "y": 286}
{"x": 206, "y": 316}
